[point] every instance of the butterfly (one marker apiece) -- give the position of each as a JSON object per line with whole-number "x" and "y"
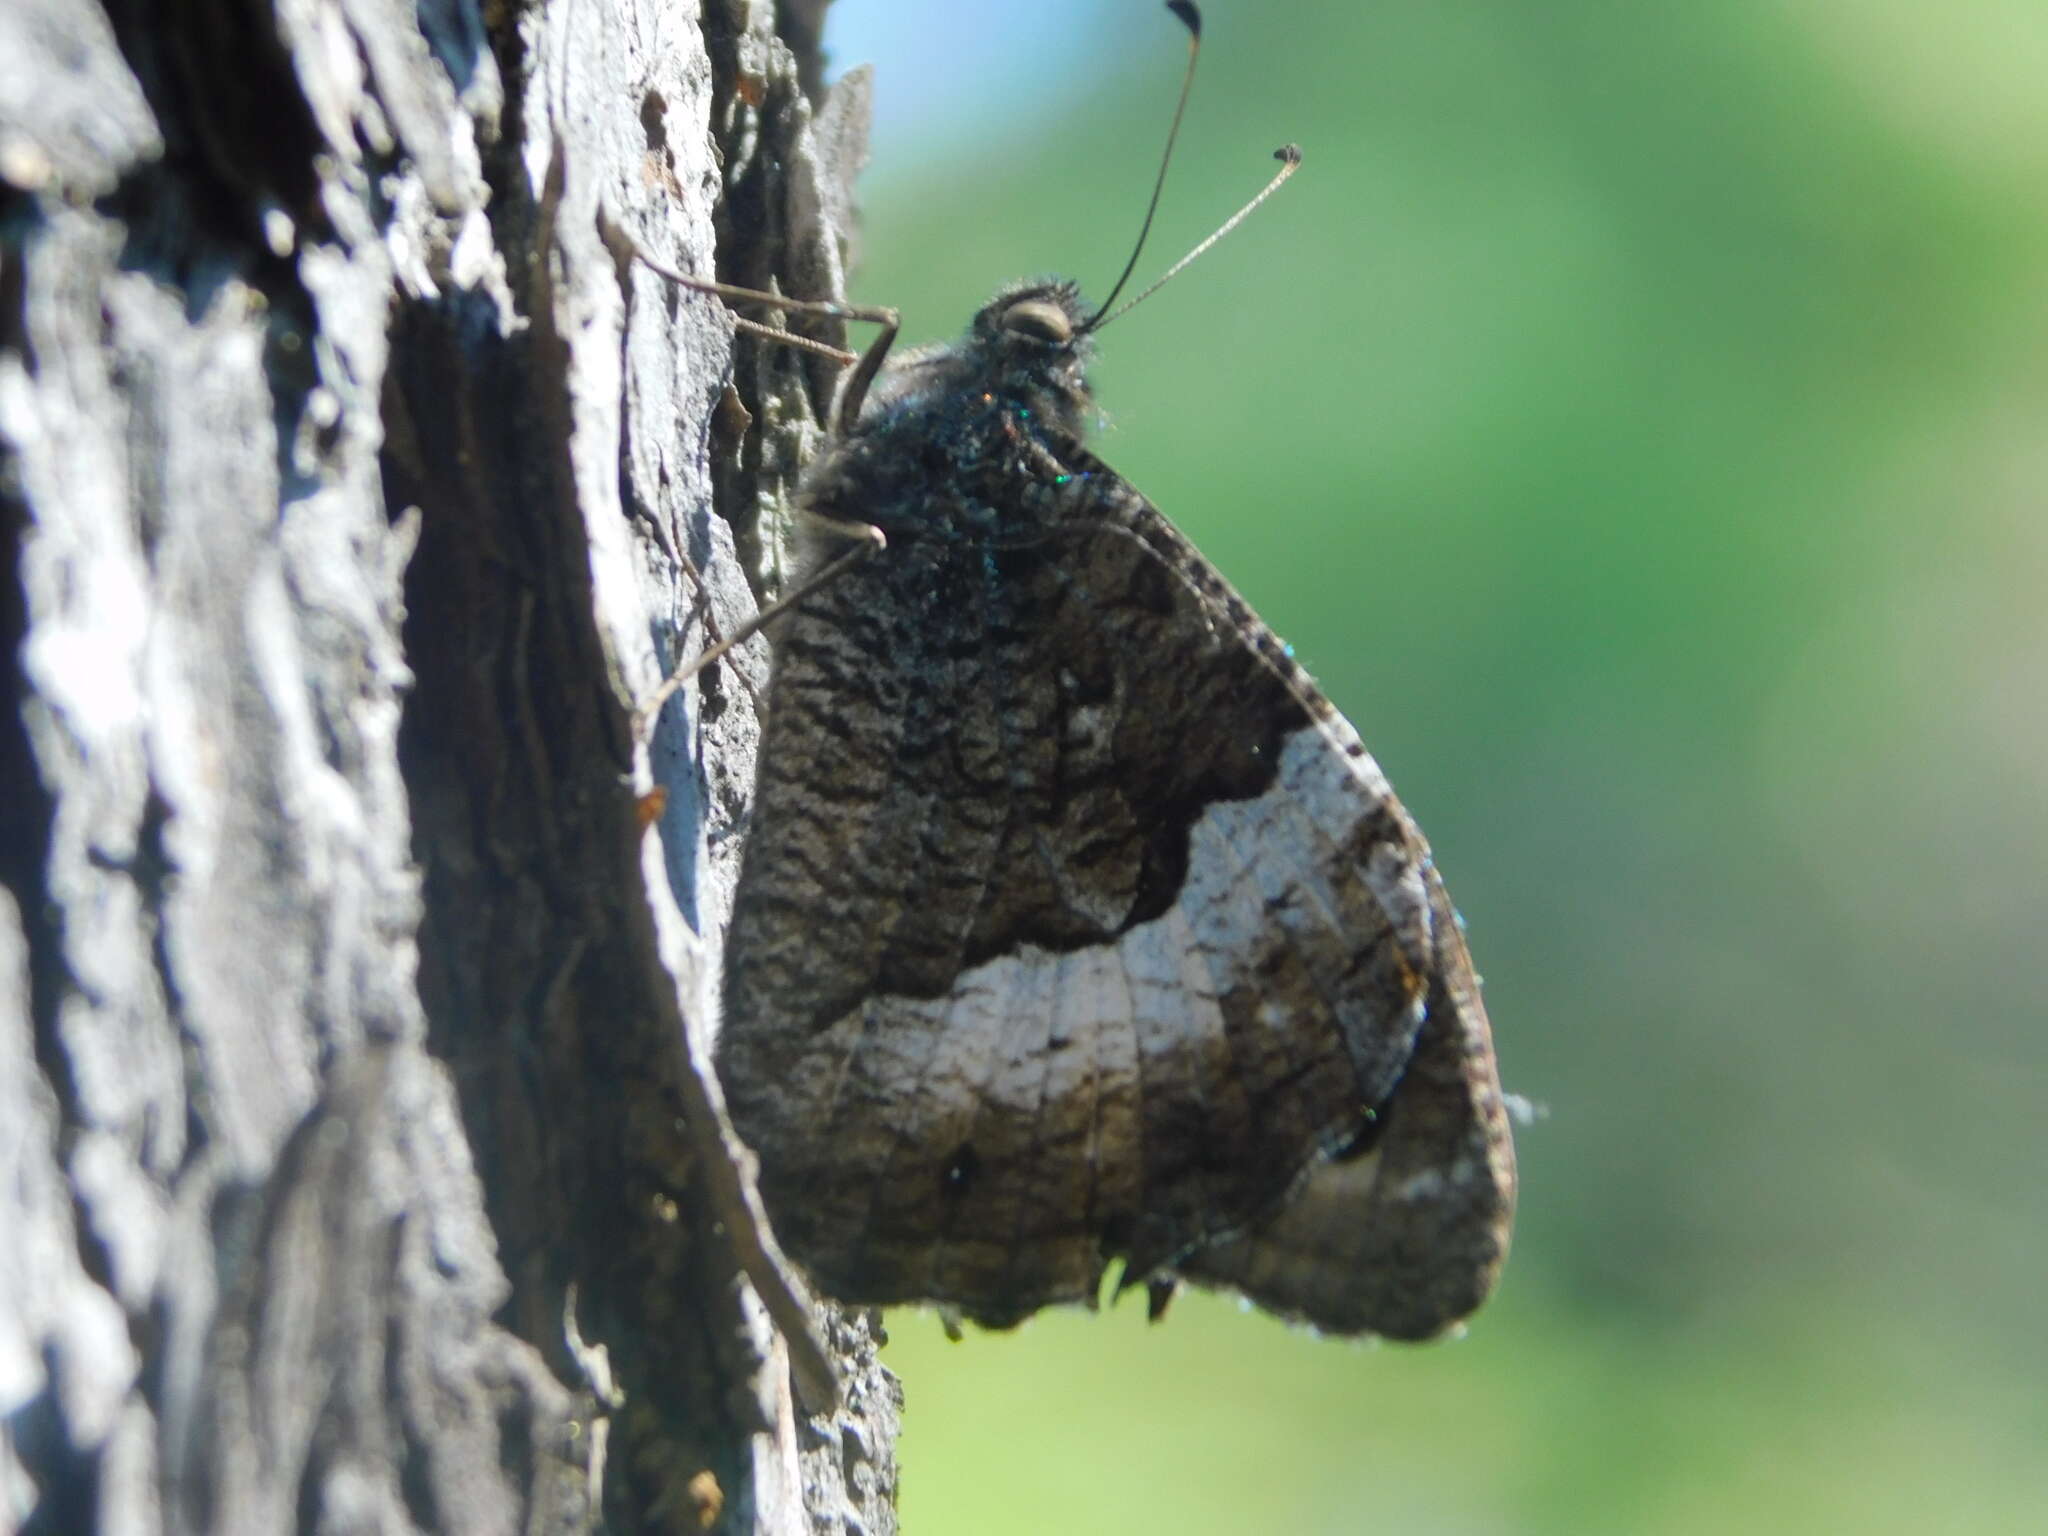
{"x": 1074, "y": 924}
{"x": 1075, "y": 927}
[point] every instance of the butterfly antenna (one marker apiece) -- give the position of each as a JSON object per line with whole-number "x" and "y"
{"x": 1290, "y": 157}
{"x": 1192, "y": 20}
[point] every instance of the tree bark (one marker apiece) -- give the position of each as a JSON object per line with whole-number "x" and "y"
{"x": 361, "y": 1165}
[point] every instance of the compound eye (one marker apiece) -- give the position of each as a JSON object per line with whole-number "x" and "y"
{"x": 1039, "y": 319}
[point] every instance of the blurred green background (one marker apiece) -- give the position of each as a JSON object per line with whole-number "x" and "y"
{"x": 1638, "y": 418}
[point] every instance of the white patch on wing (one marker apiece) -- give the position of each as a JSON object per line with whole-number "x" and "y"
{"x": 1140, "y": 1021}
{"x": 1338, "y": 790}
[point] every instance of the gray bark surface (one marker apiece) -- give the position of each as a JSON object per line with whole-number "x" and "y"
{"x": 361, "y": 1167}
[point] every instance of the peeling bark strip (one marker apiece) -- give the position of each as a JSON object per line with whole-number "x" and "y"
{"x": 349, "y": 1023}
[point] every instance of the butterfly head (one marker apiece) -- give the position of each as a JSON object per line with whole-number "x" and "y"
{"x": 1028, "y": 348}
{"x": 1032, "y": 344}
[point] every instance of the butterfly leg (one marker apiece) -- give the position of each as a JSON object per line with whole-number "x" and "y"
{"x": 865, "y": 364}
{"x": 867, "y": 540}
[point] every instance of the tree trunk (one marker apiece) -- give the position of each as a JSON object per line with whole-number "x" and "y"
{"x": 361, "y": 1166}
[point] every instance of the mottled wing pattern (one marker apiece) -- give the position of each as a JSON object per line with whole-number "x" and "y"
{"x": 1406, "y": 1234}
{"x": 1076, "y": 924}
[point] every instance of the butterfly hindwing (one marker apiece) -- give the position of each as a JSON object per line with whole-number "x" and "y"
{"x": 1407, "y": 1233}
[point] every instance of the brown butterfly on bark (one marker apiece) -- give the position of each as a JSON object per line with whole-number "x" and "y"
{"x": 1074, "y": 925}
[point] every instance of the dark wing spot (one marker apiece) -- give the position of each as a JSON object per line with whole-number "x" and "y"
{"x": 1367, "y": 1136}
{"x": 961, "y": 1171}
{"x": 1151, "y": 588}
